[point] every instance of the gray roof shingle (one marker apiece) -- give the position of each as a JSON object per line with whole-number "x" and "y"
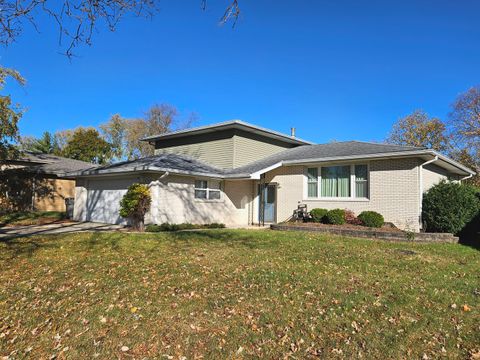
{"x": 324, "y": 151}
{"x": 52, "y": 164}
{"x": 186, "y": 165}
{"x": 163, "y": 162}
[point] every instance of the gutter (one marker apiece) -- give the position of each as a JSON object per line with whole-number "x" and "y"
{"x": 466, "y": 177}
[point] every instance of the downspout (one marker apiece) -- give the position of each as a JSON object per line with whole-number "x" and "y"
{"x": 421, "y": 186}
{"x": 466, "y": 177}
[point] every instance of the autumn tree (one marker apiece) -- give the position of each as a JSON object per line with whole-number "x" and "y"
{"x": 86, "y": 144}
{"x": 10, "y": 114}
{"x": 465, "y": 124}
{"x": 418, "y": 129}
{"x": 125, "y": 134}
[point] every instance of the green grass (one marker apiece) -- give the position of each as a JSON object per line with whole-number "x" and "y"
{"x": 236, "y": 294}
{"x": 31, "y": 217}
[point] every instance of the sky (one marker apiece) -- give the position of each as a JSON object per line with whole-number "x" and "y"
{"x": 334, "y": 70}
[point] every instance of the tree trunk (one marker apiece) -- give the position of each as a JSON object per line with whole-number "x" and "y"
{"x": 138, "y": 224}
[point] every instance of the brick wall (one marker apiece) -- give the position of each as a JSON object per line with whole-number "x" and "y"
{"x": 393, "y": 188}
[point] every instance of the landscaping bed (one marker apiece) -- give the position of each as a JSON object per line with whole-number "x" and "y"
{"x": 383, "y": 233}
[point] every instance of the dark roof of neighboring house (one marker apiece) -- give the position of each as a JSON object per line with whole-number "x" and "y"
{"x": 231, "y": 124}
{"x": 180, "y": 164}
{"x": 323, "y": 152}
{"x": 51, "y": 164}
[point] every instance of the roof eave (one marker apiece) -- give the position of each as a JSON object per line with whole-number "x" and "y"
{"x": 226, "y": 125}
{"x": 397, "y": 154}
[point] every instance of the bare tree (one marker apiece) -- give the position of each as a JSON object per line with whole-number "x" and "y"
{"x": 125, "y": 134}
{"x": 77, "y": 20}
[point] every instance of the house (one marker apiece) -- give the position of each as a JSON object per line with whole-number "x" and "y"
{"x": 239, "y": 174}
{"x": 36, "y": 181}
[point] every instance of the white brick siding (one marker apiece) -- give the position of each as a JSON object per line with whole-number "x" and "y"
{"x": 393, "y": 188}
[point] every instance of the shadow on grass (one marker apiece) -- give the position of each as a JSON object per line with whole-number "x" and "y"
{"x": 43, "y": 217}
{"x": 27, "y": 245}
{"x": 470, "y": 235}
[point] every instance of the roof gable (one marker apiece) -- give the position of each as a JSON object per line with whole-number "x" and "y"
{"x": 232, "y": 124}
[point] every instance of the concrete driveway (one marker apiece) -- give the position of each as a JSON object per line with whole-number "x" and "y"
{"x": 9, "y": 232}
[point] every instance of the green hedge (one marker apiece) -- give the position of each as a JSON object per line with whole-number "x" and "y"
{"x": 371, "y": 219}
{"x": 184, "y": 226}
{"x": 335, "y": 217}
{"x": 318, "y": 214}
{"x": 450, "y": 207}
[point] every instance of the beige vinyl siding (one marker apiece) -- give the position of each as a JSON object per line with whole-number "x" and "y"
{"x": 249, "y": 149}
{"x": 224, "y": 149}
{"x": 218, "y": 152}
{"x": 393, "y": 188}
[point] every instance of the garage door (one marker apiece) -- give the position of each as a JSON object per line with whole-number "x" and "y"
{"x": 103, "y": 200}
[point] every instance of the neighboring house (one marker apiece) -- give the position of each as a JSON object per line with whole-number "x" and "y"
{"x": 240, "y": 174}
{"x": 38, "y": 181}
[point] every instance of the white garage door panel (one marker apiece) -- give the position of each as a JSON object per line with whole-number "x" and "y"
{"x": 104, "y": 198}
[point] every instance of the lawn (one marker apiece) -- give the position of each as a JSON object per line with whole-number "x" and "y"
{"x": 236, "y": 294}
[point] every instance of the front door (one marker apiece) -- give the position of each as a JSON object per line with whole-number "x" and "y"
{"x": 268, "y": 198}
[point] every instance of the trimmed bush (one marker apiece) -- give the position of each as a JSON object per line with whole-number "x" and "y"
{"x": 371, "y": 219}
{"x": 449, "y": 207}
{"x": 135, "y": 204}
{"x": 318, "y": 214}
{"x": 335, "y": 217}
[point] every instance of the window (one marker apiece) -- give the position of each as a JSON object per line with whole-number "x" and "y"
{"x": 312, "y": 182}
{"x": 361, "y": 181}
{"x": 207, "y": 190}
{"x": 336, "y": 181}
{"x": 345, "y": 181}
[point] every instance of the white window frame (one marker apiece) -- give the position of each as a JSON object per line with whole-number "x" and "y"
{"x": 209, "y": 189}
{"x": 352, "y": 196}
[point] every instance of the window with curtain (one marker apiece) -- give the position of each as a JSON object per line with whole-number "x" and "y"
{"x": 207, "y": 189}
{"x": 361, "y": 181}
{"x": 335, "y": 181}
{"x": 312, "y": 182}
{"x": 346, "y": 181}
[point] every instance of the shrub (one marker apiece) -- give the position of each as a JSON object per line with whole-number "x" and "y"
{"x": 215, "y": 226}
{"x": 318, "y": 214}
{"x": 371, "y": 219}
{"x": 350, "y": 218}
{"x": 449, "y": 207}
{"x": 153, "y": 228}
{"x": 335, "y": 217}
{"x": 135, "y": 204}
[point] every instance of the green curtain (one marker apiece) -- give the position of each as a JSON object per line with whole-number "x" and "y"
{"x": 336, "y": 181}
{"x": 312, "y": 176}
{"x": 343, "y": 175}
{"x": 361, "y": 181}
{"x": 329, "y": 182}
